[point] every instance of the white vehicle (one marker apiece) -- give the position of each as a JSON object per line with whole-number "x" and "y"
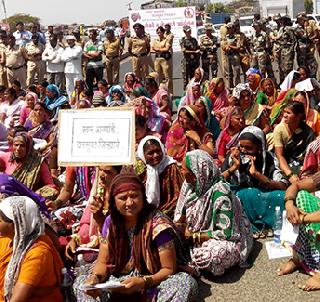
{"x": 246, "y": 26}
{"x": 201, "y": 32}
{"x": 315, "y": 18}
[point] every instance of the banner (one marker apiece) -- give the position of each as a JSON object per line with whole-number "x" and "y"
{"x": 92, "y": 137}
{"x": 177, "y": 17}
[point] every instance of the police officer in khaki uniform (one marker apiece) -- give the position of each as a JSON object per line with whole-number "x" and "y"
{"x": 161, "y": 46}
{"x": 113, "y": 50}
{"x": 209, "y": 46}
{"x": 16, "y": 62}
{"x": 139, "y": 48}
{"x": 223, "y": 33}
{"x": 169, "y": 35}
{"x": 35, "y": 65}
{"x": 3, "y": 72}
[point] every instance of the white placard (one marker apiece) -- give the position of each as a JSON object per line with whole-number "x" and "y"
{"x": 92, "y": 137}
{"x": 177, "y": 17}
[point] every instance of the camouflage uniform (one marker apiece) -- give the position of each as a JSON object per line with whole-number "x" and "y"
{"x": 306, "y": 49}
{"x": 232, "y": 67}
{"x": 276, "y": 49}
{"x": 209, "y": 46}
{"x": 244, "y": 52}
{"x": 287, "y": 43}
{"x": 260, "y": 58}
{"x": 190, "y": 61}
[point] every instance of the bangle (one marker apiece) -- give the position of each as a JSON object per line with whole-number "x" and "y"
{"x": 289, "y": 175}
{"x": 194, "y": 238}
{"x": 148, "y": 282}
{"x": 199, "y": 237}
{"x": 288, "y": 199}
{"x": 302, "y": 219}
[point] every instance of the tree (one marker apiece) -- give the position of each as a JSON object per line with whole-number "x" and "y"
{"x": 181, "y": 3}
{"x": 25, "y": 18}
{"x": 308, "y": 6}
{"x": 219, "y": 8}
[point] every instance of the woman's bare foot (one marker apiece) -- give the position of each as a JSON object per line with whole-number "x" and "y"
{"x": 313, "y": 283}
{"x": 287, "y": 268}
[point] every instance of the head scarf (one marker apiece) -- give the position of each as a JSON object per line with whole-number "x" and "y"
{"x": 239, "y": 88}
{"x": 28, "y": 226}
{"x": 188, "y": 99}
{"x": 307, "y": 85}
{"x": 98, "y": 99}
{"x": 193, "y": 80}
{"x": 177, "y": 142}
{"x": 125, "y": 182}
{"x": 153, "y": 172}
{"x": 58, "y": 99}
{"x": 259, "y": 136}
{"x": 27, "y": 139}
{"x": 110, "y": 101}
{"x": 126, "y": 87}
{"x": 141, "y": 91}
{"x": 257, "y": 77}
{"x": 34, "y": 95}
{"x": 287, "y": 83}
{"x": 218, "y": 101}
{"x": 262, "y": 97}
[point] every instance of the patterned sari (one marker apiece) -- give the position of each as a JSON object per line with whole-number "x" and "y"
{"x": 210, "y": 207}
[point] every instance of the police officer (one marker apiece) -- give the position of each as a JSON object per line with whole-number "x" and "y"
{"x": 169, "y": 35}
{"x": 209, "y": 46}
{"x": 305, "y": 46}
{"x": 287, "y": 42}
{"x": 230, "y": 47}
{"x": 139, "y": 49}
{"x": 260, "y": 47}
{"x": 274, "y": 40}
{"x": 113, "y": 50}
{"x": 191, "y": 52}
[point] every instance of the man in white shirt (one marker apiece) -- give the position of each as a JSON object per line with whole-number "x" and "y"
{"x": 55, "y": 66}
{"x": 22, "y": 36}
{"x": 72, "y": 57}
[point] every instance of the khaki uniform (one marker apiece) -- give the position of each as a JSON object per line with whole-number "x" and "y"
{"x": 3, "y": 71}
{"x": 15, "y": 65}
{"x": 113, "y": 50}
{"x": 232, "y": 66}
{"x": 139, "y": 49}
{"x": 209, "y": 57}
{"x": 223, "y": 33}
{"x": 161, "y": 62}
{"x": 245, "y": 56}
{"x": 35, "y": 65}
{"x": 170, "y": 37}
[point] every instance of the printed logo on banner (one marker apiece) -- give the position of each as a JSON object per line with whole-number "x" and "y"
{"x": 189, "y": 12}
{"x": 135, "y": 17}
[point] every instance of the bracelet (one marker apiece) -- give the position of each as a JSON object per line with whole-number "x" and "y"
{"x": 194, "y": 238}
{"x": 148, "y": 282}
{"x": 303, "y": 217}
{"x": 289, "y": 198}
{"x": 289, "y": 175}
{"x": 199, "y": 237}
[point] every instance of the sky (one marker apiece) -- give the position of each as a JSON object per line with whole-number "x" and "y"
{"x": 70, "y": 11}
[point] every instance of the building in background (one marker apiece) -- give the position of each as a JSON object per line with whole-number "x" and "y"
{"x": 284, "y": 7}
{"x": 157, "y": 4}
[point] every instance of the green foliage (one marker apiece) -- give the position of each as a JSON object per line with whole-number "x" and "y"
{"x": 216, "y": 8}
{"x": 181, "y": 3}
{"x": 308, "y": 6}
{"x": 25, "y": 18}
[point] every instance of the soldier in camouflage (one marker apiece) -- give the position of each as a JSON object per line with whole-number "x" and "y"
{"x": 209, "y": 58}
{"x": 287, "y": 43}
{"x": 230, "y": 47}
{"x": 305, "y": 36}
{"x": 191, "y": 53}
{"x": 274, "y": 39}
{"x": 260, "y": 48}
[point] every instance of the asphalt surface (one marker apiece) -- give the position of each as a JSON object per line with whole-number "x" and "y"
{"x": 257, "y": 283}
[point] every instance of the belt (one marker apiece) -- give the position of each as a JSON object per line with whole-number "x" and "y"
{"x": 15, "y": 68}
{"x": 111, "y": 58}
{"x": 139, "y": 55}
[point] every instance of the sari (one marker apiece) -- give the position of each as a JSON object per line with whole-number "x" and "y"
{"x": 162, "y": 182}
{"x": 29, "y": 245}
{"x": 129, "y": 89}
{"x": 58, "y": 100}
{"x": 262, "y": 98}
{"x": 311, "y": 163}
{"x": 218, "y": 101}
{"x": 209, "y": 206}
{"x": 177, "y": 143}
{"x": 158, "y": 100}
{"x": 41, "y": 131}
{"x": 258, "y": 202}
{"x": 113, "y": 103}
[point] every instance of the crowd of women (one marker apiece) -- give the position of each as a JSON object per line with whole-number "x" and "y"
{"x": 204, "y": 185}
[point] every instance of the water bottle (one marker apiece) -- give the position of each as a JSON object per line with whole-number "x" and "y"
{"x": 67, "y": 286}
{"x": 277, "y": 225}
{"x": 81, "y": 265}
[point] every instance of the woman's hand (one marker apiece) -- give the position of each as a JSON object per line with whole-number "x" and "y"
{"x": 96, "y": 204}
{"x": 52, "y": 204}
{"x": 252, "y": 169}
{"x": 235, "y": 156}
{"x": 133, "y": 284}
{"x": 294, "y": 178}
{"x": 71, "y": 249}
{"x": 293, "y": 213}
{"x": 194, "y": 136}
{"x": 92, "y": 280}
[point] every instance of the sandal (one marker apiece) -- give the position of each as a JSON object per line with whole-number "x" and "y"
{"x": 263, "y": 234}
{"x": 270, "y": 232}
{"x": 256, "y": 235}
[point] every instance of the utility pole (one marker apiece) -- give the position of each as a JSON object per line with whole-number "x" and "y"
{"x": 129, "y": 5}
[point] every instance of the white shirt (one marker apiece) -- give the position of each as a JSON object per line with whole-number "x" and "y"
{"x": 22, "y": 37}
{"x": 72, "y": 57}
{"x": 52, "y": 55}
{"x": 12, "y": 112}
